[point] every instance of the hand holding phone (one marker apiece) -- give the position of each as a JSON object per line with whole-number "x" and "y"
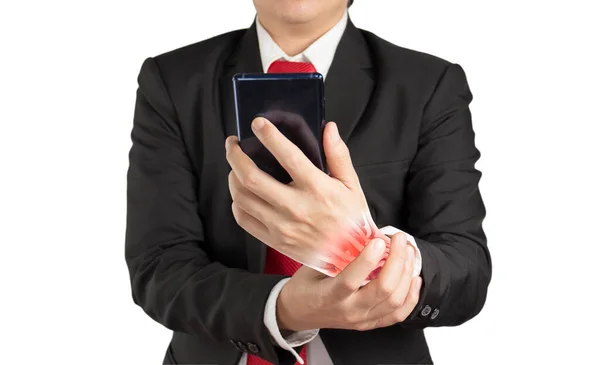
{"x": 335, "y": 233}
{"x": 294, "y": 103}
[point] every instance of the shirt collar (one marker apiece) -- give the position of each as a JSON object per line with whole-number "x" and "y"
{"x": 320, "y": 53}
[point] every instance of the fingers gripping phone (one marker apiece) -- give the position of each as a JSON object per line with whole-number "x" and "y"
{"x": 294, "y": 103}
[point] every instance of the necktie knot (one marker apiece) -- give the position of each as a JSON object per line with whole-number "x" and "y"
{"x": 282, "y": 66}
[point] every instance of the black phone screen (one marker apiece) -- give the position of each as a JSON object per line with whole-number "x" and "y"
{"x": 294, "y": 103}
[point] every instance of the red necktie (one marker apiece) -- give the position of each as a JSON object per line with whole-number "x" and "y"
{"x": 282, "y": 66}
{"x": 276, "y": 262}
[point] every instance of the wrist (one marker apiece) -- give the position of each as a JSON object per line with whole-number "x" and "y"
{"x": 283, "y": 312}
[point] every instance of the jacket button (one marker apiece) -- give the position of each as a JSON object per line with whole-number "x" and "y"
{"x": 425, "y": 311}
{"x": 435, "y": 313}
{"x": 238, "y": 345}
{"x": 252, "y": 348}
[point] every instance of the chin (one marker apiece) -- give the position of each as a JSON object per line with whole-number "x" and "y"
{"x": 302, "y": 11}
{"x": 297, "y": 18}
{"x": 297, "y": 11}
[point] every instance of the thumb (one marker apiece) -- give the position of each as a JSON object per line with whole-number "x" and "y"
{"x": 338, "y": 158}
{"x": 353, "y": 276}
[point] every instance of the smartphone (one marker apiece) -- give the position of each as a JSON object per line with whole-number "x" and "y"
{"x": 294, "y": 103}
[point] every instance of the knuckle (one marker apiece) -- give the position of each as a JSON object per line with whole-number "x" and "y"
{"x": 347, "y": 285}
{"x": 231, "y": 179}
{"x": 292, "y": 161}
{"x": 235, "y": 209}
{"x": 386, "y": 289}
{"x": 396, "y": 301}
{"x": 400, "y": 316}
{"x": 363, "y": 326}
{"x": 235, "y": 193}
{"x": 413, "y": 299}
{"x": 379, "y": 322}
{"x": 251, "y": 180}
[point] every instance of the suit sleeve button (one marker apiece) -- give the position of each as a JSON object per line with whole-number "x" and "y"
{"x": 425, "y": 311}
{"x": 435, "y": 313}
{"x": 238, "y": 345}
{"x": 243, "y": 346}
{"x": 252, "y": 348}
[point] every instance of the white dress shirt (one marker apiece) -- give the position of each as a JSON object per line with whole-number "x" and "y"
{"x": 320, "y": 54}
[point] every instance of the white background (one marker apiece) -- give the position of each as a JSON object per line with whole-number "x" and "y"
{"x": 67, "y": 86}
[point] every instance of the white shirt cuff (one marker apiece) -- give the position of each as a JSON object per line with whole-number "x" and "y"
{"x": 270, "y": 319}
{"x": 390, "y": 231}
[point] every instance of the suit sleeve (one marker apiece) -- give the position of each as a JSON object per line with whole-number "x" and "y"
{"x": 445, "y": 210}
{"x": 172, "y": 277}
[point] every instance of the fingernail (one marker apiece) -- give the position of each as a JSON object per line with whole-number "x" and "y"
{"x": 411, "y": 253}
{"x": 402, "y": 241}
{"x": 258, "y": 123}
{"x": 377, "y": 248}
{"x": 417, "y": 287}
{"x": 334, "y": 134}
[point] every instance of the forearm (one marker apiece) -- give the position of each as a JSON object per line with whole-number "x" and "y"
{"x": 445, "y": 211}
{"x": 189, "y": 294}
{"x": 456, "y": 273}
{"x": 284, "y": 338}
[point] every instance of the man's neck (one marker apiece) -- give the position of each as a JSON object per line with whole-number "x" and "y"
{"x": 293, "y": 39}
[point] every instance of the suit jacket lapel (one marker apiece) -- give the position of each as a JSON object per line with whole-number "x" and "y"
{"x": 246, "y": 58}
{"x": 349, "y": 83}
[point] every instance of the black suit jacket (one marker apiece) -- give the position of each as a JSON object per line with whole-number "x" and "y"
{"x": 405, "y": 118}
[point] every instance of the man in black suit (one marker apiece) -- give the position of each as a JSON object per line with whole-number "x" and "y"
{"x": 197, "y": 257}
